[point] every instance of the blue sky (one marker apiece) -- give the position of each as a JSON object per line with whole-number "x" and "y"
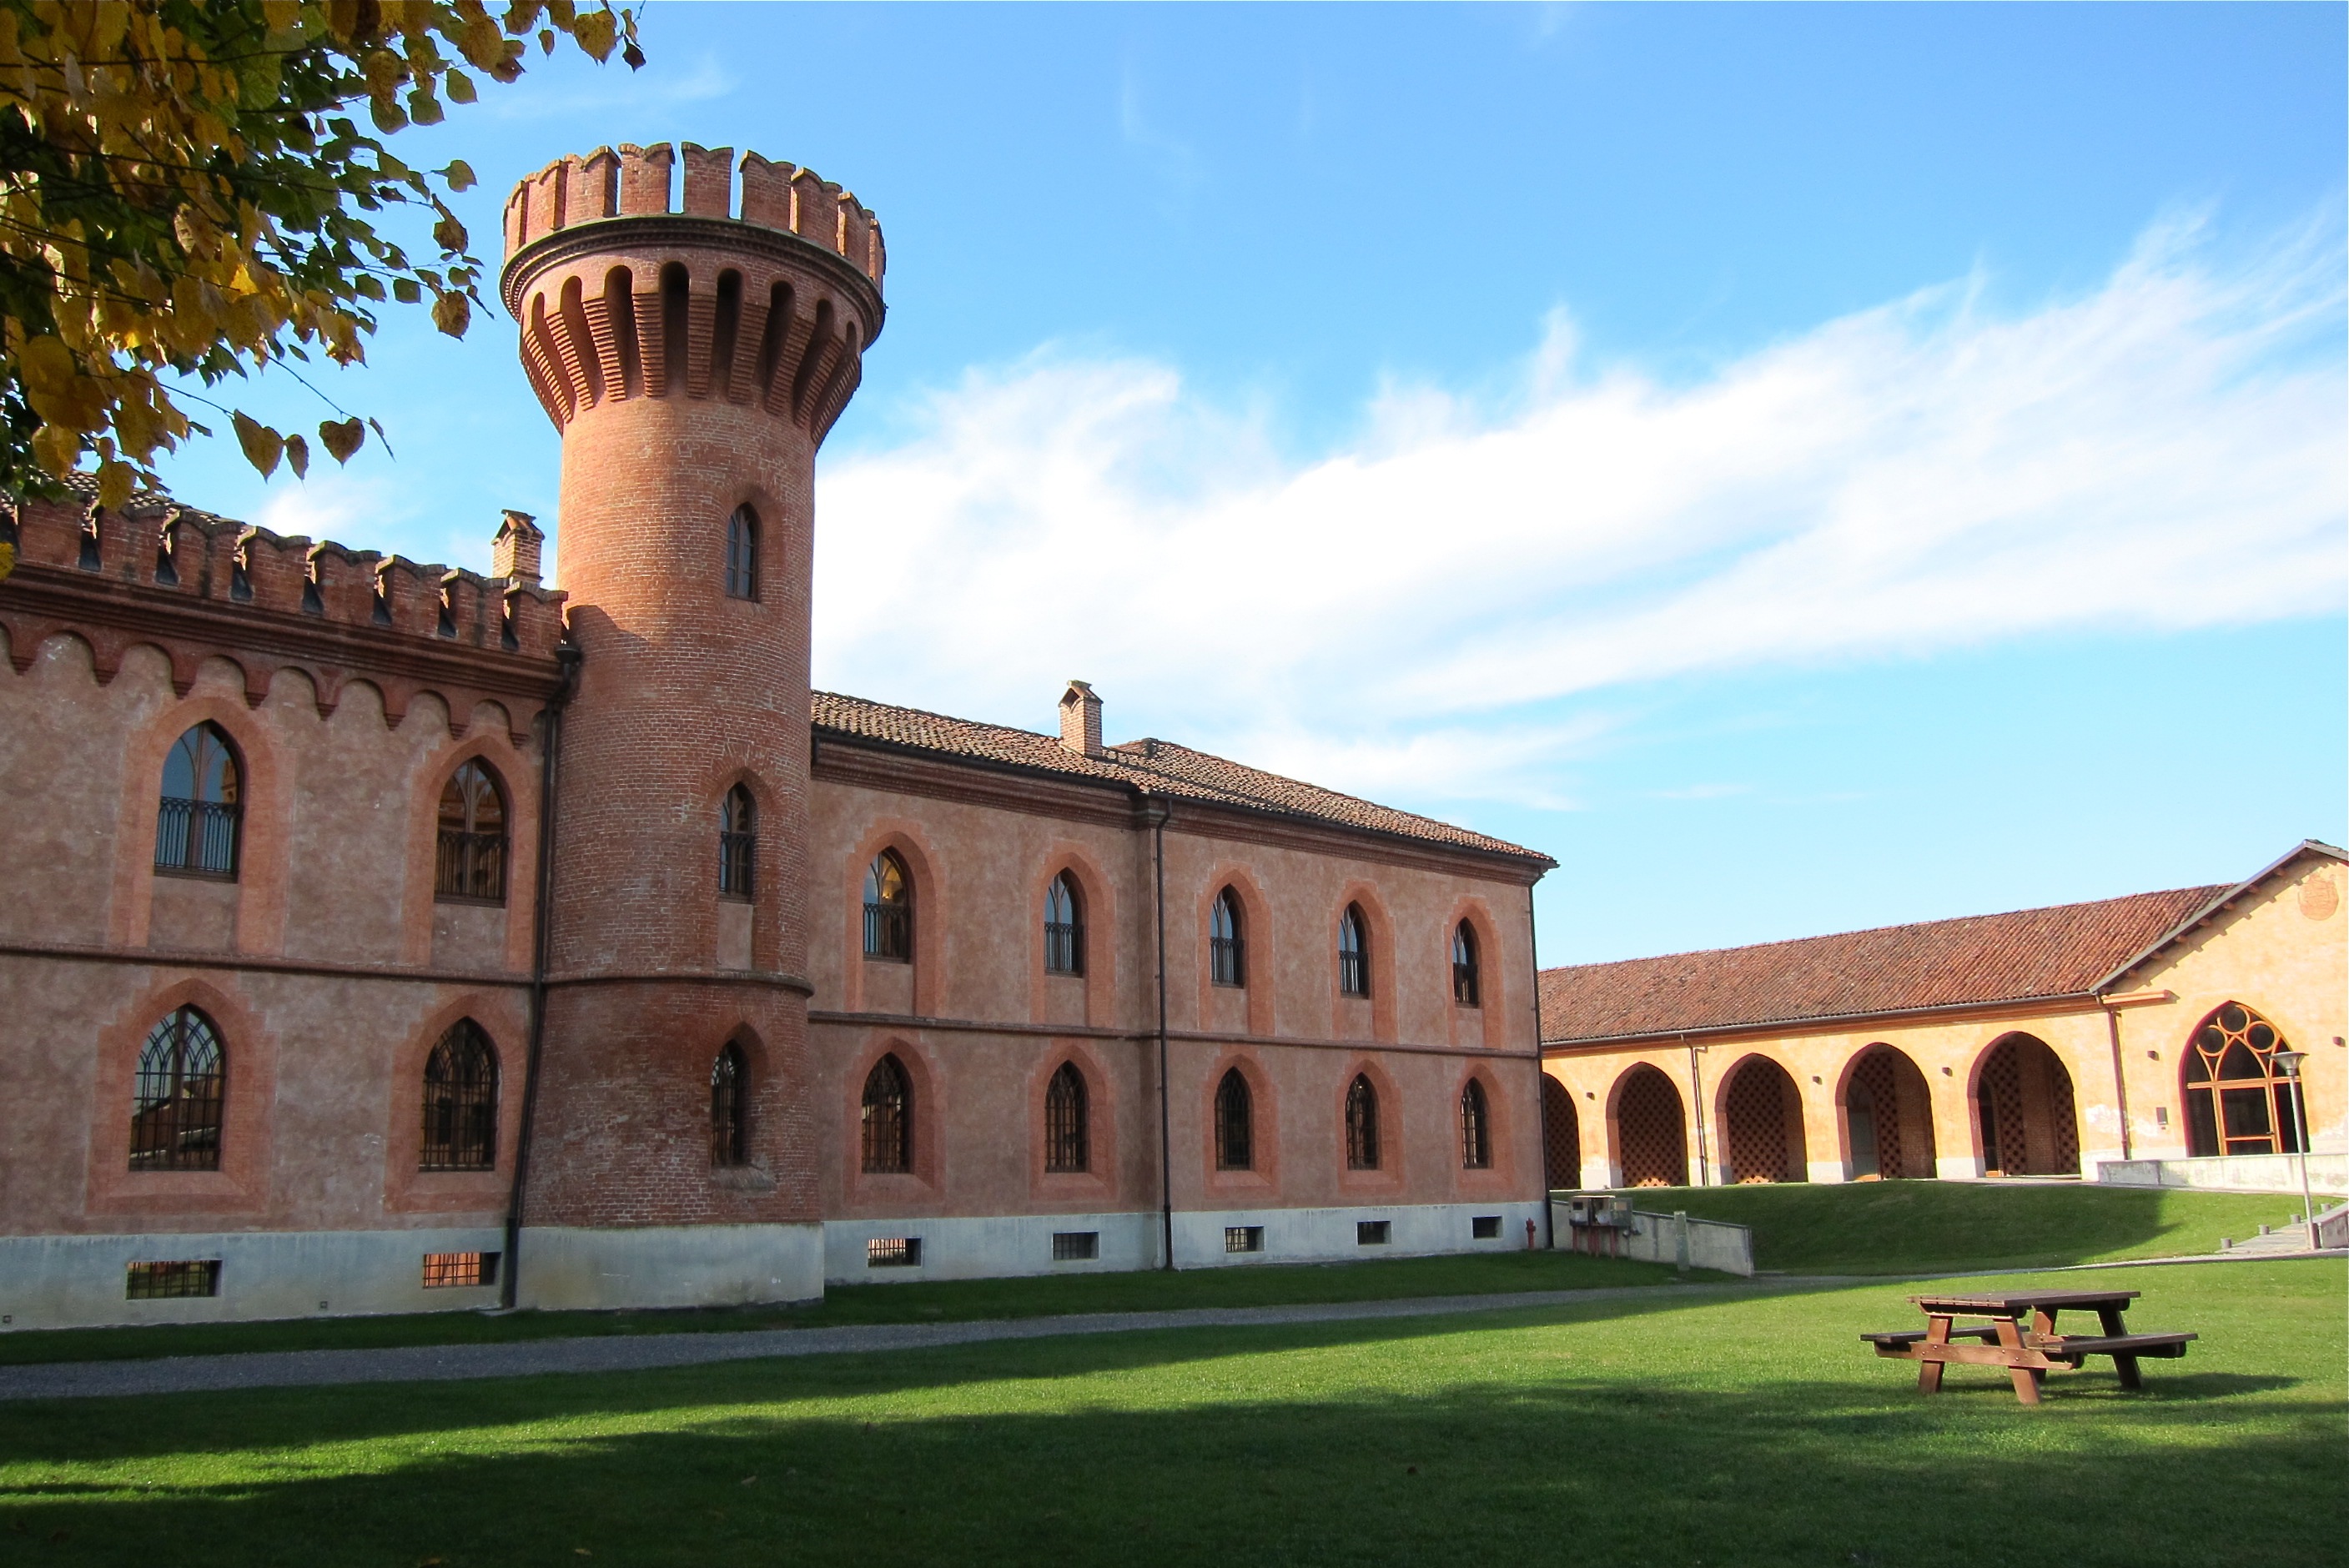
{"x": 1803, "y": 467}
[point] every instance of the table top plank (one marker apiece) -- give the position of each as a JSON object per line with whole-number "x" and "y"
{"x": 2018, "y": 1302}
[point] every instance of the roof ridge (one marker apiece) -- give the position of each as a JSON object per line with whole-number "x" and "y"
{"x": 1266, "y": 772}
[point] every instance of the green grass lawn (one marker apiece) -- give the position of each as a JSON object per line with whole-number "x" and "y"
{"x": 1647, "y": 1428}
{"x": 1481, "y": 1274}
{"x": 1906, "y": 1227}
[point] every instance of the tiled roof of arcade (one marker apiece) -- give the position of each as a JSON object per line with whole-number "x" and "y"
{"x": 1150, "y": 767}
{"x": 2067, "y": 950}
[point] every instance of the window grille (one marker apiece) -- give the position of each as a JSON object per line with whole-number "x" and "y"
{"x": 1361, "y": 1125}
{"x": 1075, "y": 1246}
{"x": 1243, "y": 1238}
{"x": 1485, "y": 1228}
{"x": 166, "y": 1281}
{"x": 1226, "y": 949}
{"x": 729, "y": 1108}
{"x": 888, "y": 1134}
{"x": 176, "y": 1106}
{"x": 1464, "y": 964}
{"x": 1234, "y": 1123}
{"x": 738, "y": 840}
{"x": 742, "y": 555}
{"x": 1353, "y": 954}
{"x": 199, "y": 818}
{"x": 1064, "y": 935}
{"x": 1065, "y": 1132}
{"x": 894, "y": 1252}
{"x": 471, "y": 866}
{"x": 2237, "y": 1102}
{"x": 1373, "y": 1233}
{"x": 1475, "y": 1128}
{"x": 444, "y": 1269}
{"x": 461, "y": 1102}
{"x": 888, "y": 909}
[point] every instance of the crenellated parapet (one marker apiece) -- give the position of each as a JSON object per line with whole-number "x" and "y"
{"x": 197, "y": 586}
{"x": 762, "y": 293}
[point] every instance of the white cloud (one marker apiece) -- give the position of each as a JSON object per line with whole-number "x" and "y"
{"x": 1410, "y": 613}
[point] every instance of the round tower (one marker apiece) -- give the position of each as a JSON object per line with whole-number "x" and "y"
{"x": 693, "y": 353}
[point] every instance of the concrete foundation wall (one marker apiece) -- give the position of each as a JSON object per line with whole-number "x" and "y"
{"x": 2238, "y": 1172}
{"x": 567, "y": 1268}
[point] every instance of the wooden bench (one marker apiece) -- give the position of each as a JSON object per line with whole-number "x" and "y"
{"x": 2026, "y": 1353}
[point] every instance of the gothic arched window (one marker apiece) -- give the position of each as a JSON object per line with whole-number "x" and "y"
{"x": 742, "y": 555}
{"x": 1475, "y": 1128}
{"x": 737, "y": 841}
{"x": 729, "y": 1108}
{"x": 1465, "y": 981}
{"x": 461, "y": 1101}
{"x": 199, "y": 817}
{"x": 888, "y": 1132}
{"x": 1361, "y": 1125}
{"x": 175, "y": 1108}
{"x": 888, "y": 909}
{"x": 1353, "y": 953}
{"x": 1064, "y": 930}
{"x": 1067, "y": 1137}
{"x": 471, "y": 864}
{"x": 1234, "y": 1123}
{"x": 2236, "y": 1100}
{"x": 1227, "y": 941}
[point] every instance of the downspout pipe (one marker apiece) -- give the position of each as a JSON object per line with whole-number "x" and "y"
{"x": 2120, "y": 1074}
{"x": 1541, "y": 1075}
{"x": 550, "y": 775}
{"x": 1165, "y": 1087}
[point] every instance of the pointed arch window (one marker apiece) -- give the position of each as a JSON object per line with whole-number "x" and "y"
{"x": 1064, "y": 929}
{"x": 182, "y": 1086}
{"x": 742, "y": 555}
{"x": 737, "y": 843}
{"x": 888, "y": 909}
{"x": 729, "y": 1108}
{"x": 2236, "y": 1100}
{"x": 1361, "y": 1125}
{"x": 471, "y": 865}
{"x": 1227, "y": 940}
{"x": 1234, "y": 1123}
{"x": 199, "y": 817}
{"x": 1475, "y": 1128}
{"x": 1353, "y": 953}
{"x": 888, "y": 1131}
{"x": 1467, "y": 986}
{"x": 461, "y": 1101}
{"x": 1067, "y": 1135}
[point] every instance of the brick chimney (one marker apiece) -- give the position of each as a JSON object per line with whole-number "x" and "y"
{"x": 516, "y": 550}
{"x": 1080, "y": 730}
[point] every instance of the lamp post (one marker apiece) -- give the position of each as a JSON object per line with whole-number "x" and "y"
{"x": 2287, "y": 1063}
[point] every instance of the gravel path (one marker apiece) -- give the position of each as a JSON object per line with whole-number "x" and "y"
{"x": 634, "y": 1353}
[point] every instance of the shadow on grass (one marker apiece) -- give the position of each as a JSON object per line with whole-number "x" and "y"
{"x": 1513, "y": 1450}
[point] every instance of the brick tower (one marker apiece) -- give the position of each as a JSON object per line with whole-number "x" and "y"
{"x": 693, "y": 354}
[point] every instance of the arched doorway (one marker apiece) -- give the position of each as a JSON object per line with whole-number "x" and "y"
{"x": 1887, "y": 1116}
{"x": 1561, "y": 1136}
{"x": 2023, "y": 1099}
{"x": 2236, "y": 1101}
{"x": 1651, "y": 1142}
{"x": 1762, "y": 1124}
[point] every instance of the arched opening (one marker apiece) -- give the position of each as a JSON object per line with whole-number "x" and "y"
{"x": 1466, "y": 983}
{"x": 737, "y": 843}
{"x": 1362, "y": 1124}
{"x": 1067, "y": 1135}
{"x": 2023, "y": 1101}
{"x": 469, "y": 863}
{"x": 199, "y": 819}
{"x": 888, "y": 1118}
{"x": 1561, "y": 1136}
{"x": 1353, "y": 953}
{"x": 1650, "y": 1130}
{"x": 461, "y": 1102}
{"x": 1888, "y": 1117}
{"x": 2236, "y": 1101}
{"x": 1227, "y": 940}
{"x": 1064, "y": 930}
{"x": 729, "y": 1108}
{"x": 1475, "y": 1128}
{"x": 742, "y": 553}
{"x": 176, "y": 1105}
{"x": 1234, "y": 1123}
{"x": 675, "y": 327}
{"x": 1762, "y": 1124}
{"x": 888, "y": 909}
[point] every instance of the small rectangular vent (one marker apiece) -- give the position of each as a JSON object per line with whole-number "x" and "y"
{"x": 1372, "y": 1233}
{"x": 442, "y": 1270}
{"x": 1486, "y": 1227}
{"x": 163, "y": 1282}
{"x": 1243, "y": 1238}
{"x": 1075, "y": 1246}
{"x": 894, "y": 1252}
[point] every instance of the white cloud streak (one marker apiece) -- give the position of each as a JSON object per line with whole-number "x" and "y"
{"x": 1444, "y": 608}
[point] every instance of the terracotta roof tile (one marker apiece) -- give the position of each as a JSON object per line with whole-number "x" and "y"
{"x": 2062, "y": 951}
{"x": 1150, "y": 767}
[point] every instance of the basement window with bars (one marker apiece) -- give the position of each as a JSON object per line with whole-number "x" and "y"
{"x": 1243, "y": 1238}
{"x": 1373, "y": 1233}
{"x": 894, "y": 1252}
{"x": 443, "y": 1270}
{"x": 1484, "y": 1227}
{"x": 171, "y": 1280}
{"x": 1075, "y": 1246}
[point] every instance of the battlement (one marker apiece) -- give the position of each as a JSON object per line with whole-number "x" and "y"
{"x": 635, "y": 182}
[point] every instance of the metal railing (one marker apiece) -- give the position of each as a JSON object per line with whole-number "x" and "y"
{"x": 197, "y": 837}
{"x": 470, "y": 866}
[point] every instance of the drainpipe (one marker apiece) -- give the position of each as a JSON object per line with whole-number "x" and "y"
{"x": 1696, "y": 1087}
{"x": 2120, "y": 1078}
{"x": 1541, "y": 1073}
{"x": 542, "y": 917}
{"x": 1165, "y": 1127}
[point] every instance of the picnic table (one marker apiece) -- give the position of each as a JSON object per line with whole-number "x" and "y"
{"x": 2021, "y": 1337}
